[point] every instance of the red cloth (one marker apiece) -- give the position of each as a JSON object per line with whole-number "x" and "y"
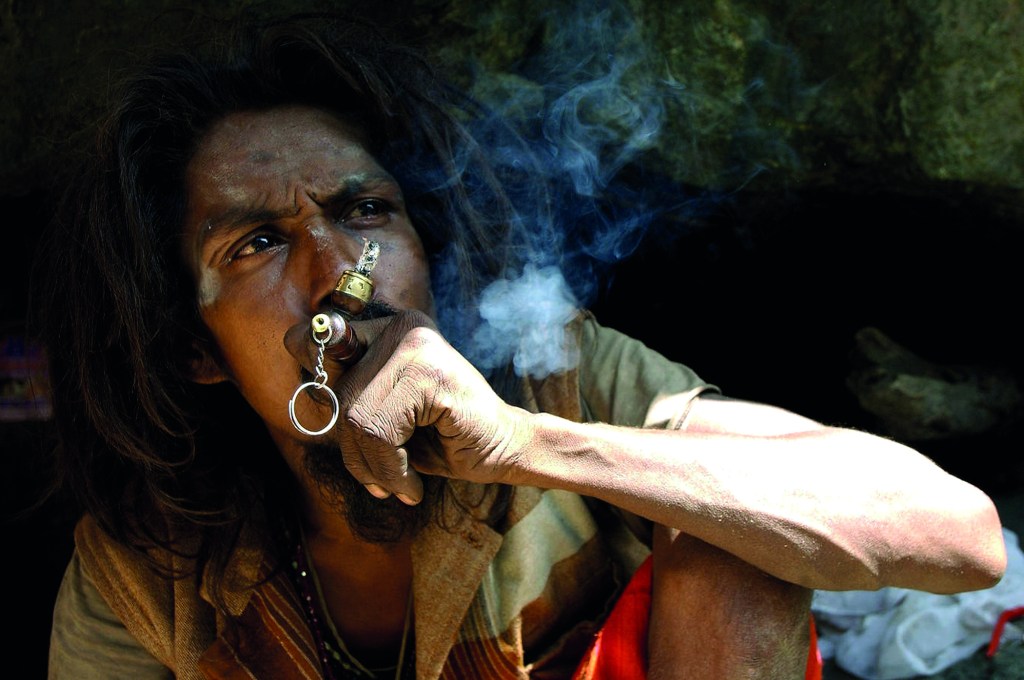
{"x": 997, "y": 630}
{"x": 619, "y": 649}
{"x": 814, "y": 662}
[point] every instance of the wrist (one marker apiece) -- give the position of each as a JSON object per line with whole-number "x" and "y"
{"x": 549, "y": 448}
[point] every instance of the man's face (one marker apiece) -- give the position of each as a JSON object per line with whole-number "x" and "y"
{"x": 279, "y": 204}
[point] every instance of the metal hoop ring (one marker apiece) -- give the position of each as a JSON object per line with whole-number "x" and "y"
{"x": 336, "y": 408}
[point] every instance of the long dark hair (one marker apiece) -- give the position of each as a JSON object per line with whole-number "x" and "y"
{"x": 140, "y": 444}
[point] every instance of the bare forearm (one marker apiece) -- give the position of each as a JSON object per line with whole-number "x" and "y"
{"x": 825, "y": 508}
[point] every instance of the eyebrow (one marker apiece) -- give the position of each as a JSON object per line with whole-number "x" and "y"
{"x": 238, "y": 217}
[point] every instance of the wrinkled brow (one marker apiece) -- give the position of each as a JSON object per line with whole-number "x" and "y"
{"x": 240, "y": 216}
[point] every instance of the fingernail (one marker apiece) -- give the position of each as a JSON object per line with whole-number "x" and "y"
{"x": 408, "y": 500}
{"x": 378, "y": 491}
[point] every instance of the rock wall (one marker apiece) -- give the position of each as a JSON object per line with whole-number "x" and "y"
{"x": 923, "y": 96}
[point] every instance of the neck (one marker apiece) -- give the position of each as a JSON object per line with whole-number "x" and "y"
{"x": 366, "y": 586}
{"x": 366, "y": 589}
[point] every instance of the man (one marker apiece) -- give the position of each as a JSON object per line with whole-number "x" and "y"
{"x": 448, "y": 525}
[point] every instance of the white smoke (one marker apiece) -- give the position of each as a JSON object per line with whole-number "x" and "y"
{"x": 588, "y": 109}
{"x": 524, "y": 321}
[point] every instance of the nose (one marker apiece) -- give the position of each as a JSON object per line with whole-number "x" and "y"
{"x": 324, "y": 252}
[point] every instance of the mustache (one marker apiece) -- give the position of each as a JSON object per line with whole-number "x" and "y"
{"x": 375, "y": 309}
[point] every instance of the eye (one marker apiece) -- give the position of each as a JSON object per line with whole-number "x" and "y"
{"x": 369, "y": 211}
{"x": 255, "y": 244}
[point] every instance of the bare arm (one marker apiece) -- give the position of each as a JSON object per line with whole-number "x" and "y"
{"x": 821, "y": 507}
{"x": 816, "y": 506}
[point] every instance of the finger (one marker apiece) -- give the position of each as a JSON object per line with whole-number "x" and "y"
{"x": 377, "y": 491}
{"x": 415, "y": 482}
{"x": 378, "y": 340}
{"x": 356, "y": 465}
{"x": 426, "y": 455}
{"x": 378, "y": 464}
{"x": 387, "y": 428}
{"x": 386, "y": 332}
{"x": 380, "y": 434}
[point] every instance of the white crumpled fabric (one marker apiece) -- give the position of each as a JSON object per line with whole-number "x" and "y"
{"x": 896, "y": 633}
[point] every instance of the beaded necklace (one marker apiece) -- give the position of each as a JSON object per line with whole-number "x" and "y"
{"x": 338, "y": 662}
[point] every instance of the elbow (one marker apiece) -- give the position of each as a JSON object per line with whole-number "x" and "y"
{"x": 981, "y": 552}
{"x": 989, "y": 575}
{"x": 952, "y": 532}
{"x": 978, "y": 572}
{"x": 989, "y": 557}
{"x": 942, "y": 551}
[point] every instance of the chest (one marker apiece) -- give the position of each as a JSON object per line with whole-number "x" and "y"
{"x": 363, "y": 601}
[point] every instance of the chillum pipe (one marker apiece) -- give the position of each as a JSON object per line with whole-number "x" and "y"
{"x": 344, "y": 346}
{"x": 351, "y": 294}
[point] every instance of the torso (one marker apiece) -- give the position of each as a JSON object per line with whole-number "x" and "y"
{"x": 366, "y": 589}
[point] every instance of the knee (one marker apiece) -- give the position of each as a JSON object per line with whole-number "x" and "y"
{"x": 715, "y": 616}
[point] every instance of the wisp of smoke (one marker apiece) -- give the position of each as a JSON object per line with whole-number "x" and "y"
{"x": 523, "y": 322}
{"x": 600, "y": 104}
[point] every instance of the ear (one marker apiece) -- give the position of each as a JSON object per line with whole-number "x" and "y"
{"x": 202, "y": 367}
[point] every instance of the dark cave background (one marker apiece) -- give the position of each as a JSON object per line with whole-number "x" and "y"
{"x": 762, "y": 298}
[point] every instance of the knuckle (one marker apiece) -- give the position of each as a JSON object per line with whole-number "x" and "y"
{"x": 359, "y": 417}
{"x": 373, "y": 431}
{"x": 375, "y": 428}
{"x": 414, "y": 318}
{"x": 419, "y": 337}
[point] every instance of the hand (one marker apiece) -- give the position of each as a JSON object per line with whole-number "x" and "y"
{"x": 413, "y": 404}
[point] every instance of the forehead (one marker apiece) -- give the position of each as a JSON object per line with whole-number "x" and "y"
{"x": 277, "y": 140}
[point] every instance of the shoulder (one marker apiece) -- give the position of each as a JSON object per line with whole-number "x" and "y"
{"x": 88, "y": 640}
{"x": 620, "y": 376}
{"x": 147, "y": 591}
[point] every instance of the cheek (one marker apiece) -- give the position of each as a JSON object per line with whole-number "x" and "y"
{"x": 404, "y": 266}
{"x": 208, "y": 288}
{"x": 250, "y": 340}
{"x": 223, "y": 300}
{"x": 245, "y": 327}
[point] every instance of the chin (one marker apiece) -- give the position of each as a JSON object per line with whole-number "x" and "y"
{"x": 371, "y": 519}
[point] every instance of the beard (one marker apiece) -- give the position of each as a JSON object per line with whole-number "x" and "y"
{"x": 371, "y": 519}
